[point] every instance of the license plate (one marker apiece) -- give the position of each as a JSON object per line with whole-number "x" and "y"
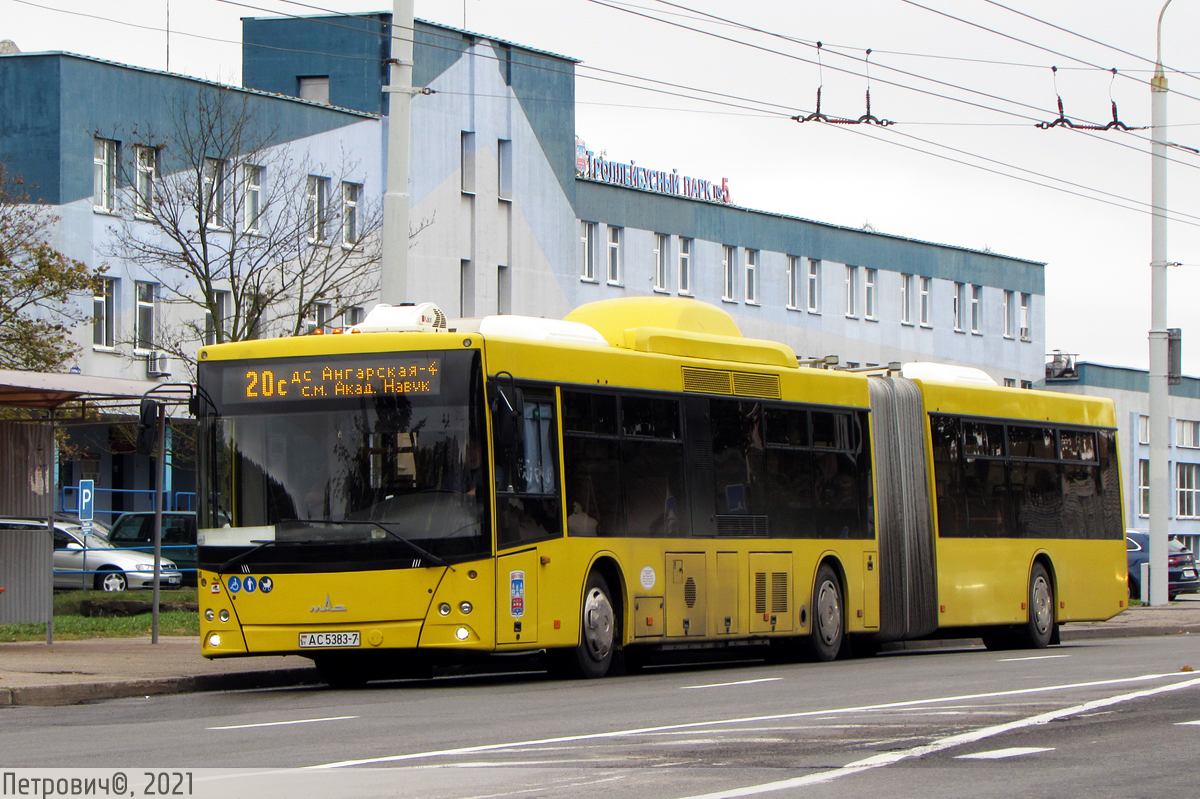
{"x": 321, "y": 640}
{"x": 1189, "y": 574}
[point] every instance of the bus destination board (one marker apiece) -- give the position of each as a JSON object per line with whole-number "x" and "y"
{"x": 301, "y": 379}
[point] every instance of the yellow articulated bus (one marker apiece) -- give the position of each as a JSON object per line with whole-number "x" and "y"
{"x": 634, "y": 478}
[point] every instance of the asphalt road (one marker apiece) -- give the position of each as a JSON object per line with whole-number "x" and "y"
{"x": 1117, "y": 717}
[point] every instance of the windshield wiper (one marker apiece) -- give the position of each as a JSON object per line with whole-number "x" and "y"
{"x": 424, "y": 553}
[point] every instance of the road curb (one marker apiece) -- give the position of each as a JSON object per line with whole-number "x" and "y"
{"x": 80, "y": 693}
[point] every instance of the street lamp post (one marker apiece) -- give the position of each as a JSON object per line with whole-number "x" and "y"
{"x": 1160, "y": 429}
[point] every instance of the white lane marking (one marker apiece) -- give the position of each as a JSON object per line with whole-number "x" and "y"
{"x": 1000, "y": 754}
{"x": 727, "y": 684}
{"x": 280, "y": 723}
{"x": 1187, "y": 723}
{"x": 891, "y": 758}
{"x": 1031, "y": 657}
{"x": 596, "y": 736}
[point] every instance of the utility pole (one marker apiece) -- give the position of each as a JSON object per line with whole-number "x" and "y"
{"x": 1160, "y": 429}
{"x": 393, "y": 273}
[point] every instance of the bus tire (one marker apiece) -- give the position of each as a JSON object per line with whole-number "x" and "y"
{"x": 828, "y": 621}
{"x": 1040, "y": 628}
{"x": 598, "y": 634}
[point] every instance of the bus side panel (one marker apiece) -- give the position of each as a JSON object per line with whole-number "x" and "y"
{"x": 986, "y": 581}
{"x": 982, "y": 581}
{"x": 1090, "y": 579}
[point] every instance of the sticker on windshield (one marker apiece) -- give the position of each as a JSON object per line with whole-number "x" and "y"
{"x": 266, "y": 584}
{"x": 249, "y": 584}
{"x": 235, "y": 584}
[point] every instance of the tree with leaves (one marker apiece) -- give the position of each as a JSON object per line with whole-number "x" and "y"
{"x": 37, "y": 312}
{"x": 242, "y": 228}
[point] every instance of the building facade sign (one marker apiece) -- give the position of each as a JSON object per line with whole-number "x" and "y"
{"x": 589, "y": 165}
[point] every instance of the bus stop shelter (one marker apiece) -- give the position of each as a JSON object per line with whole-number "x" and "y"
{"x": 39, "y": 403}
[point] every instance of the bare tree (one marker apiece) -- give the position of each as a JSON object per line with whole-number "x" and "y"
{"x": 245, "y": 229}
{"x": 36, "y": 283}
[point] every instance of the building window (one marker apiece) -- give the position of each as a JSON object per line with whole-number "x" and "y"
{"x": 466, "y": 288}
{"x": 351, "y": 196}
{"x": 1143, "y": 477}
{"x": 685, "y": 266}
{"x": 660, "y": 262}
{"x": 751, "y": 276}
{"x": 467, "y": 161}
{"x": 587, "y": 251}
{"x": 146, "y": 166}
{"x": 906, "y": 299}
{"x": 814, "y": 286}
{"x": 1009, "y": 310}
{"x": 926, "y": 293}
{"x": 1010, "y": 382}
{"x": 1027, "y": 384}
{"x": 316, "y": 208}
{"x": 143, "y": 322}
{"x": 1187, "y": 434}
{"x": 354, "y": 315}
{"x": 729, "y": 273}
{"x": 793, "y": 282}
{"x": 1143, "y": 429}
{"x": 614, "y": 255}
{"x": 976, "y": 308}
{"x": 214, "y": 325}
{"x": 213, "y": 195}
{"x": 851, "y": 291}
{"x": 504, "y": 169}
{"x": 1025, "y": 301}
{"x": 1187, "y": 490}
{"x": 503, "y": 289}
{"x": 872, "y": 275}
{"x": 104, "y": 311}
{"x": 318, "y": 317}
{"x": 313, "y": 87}
{"x": 251, "y": 197}
{"x": 104, "y": 174}
{"x": 960, "y": 297}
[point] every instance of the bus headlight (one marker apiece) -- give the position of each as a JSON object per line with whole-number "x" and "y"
{"x": 462, "y": 633}
{"x": 208, "y": 615}
{"x": 224, "y": 615}
{"x": 444, "y": 608}
{"x": 214, "y": 640}
{"x": 465, "y": 607}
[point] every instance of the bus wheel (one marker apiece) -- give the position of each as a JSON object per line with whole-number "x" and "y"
{"x": 828, "y": 627}
{"x": 593, "y": 655}
{"x": 1040, "y": 628}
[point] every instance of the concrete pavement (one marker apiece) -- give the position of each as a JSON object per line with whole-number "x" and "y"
{"x": 72, "y": 672}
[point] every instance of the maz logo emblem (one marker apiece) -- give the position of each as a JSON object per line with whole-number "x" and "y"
{"x": 328, "y": 607}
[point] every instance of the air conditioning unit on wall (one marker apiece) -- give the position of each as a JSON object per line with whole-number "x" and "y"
{"x": 158, "y": 364}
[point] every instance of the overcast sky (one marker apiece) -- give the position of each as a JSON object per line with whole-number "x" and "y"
{"x": 964, "y": 81}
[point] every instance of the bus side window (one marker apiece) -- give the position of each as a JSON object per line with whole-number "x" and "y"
{"x": 527, "y": 505}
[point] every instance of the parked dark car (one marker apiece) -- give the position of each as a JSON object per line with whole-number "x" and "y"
{"x": 135, "y": 531}
{"x": 1181, "y": 565}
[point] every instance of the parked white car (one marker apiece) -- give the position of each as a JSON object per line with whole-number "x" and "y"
{"x": 94, "y": 563}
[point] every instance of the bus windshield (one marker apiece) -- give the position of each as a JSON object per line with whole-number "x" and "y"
{"x": 341, "y": 458}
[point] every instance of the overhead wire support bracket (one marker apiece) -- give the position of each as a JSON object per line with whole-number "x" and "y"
{"x": 1062, "y": 121}
{"x": 866, "y": 119}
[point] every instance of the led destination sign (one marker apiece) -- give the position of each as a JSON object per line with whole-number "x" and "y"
{"x": 300, "y": 379}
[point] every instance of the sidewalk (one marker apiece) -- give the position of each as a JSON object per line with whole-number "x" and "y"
{"x": 73, "y": 672}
